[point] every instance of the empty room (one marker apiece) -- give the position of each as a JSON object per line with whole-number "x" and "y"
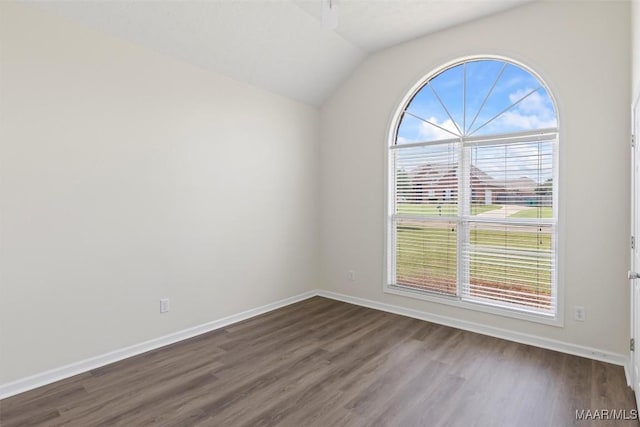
{"x": 319, "y": 213}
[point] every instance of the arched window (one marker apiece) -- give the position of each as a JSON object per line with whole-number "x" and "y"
{"x": 472, "y": 210}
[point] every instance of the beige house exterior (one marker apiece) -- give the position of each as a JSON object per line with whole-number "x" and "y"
{"x": 438, "y": 183}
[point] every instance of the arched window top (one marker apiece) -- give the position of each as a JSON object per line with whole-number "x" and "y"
{"x": 475, "y": 98}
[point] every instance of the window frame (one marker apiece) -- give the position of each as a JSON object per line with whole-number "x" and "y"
{"x": 556, "y": 319}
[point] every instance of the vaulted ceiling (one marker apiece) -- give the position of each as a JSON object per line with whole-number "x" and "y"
{"x": 279, "y": 45}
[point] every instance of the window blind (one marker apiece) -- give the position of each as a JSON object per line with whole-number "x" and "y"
{"x": 508, "y": 252}
{"x": 473, "y": 187}
{"x": 474, "y": 219}
{"x": 425, "y": 222}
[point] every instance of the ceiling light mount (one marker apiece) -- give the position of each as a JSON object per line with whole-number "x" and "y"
{"x": 329, "y": 14}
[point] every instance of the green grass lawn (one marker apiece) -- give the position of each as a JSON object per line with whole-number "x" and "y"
{"x": 536, "y": 212}
{"x": 426, "y": 257}
{"x": 444, "y": 209}
{"x": 441, "y": 209}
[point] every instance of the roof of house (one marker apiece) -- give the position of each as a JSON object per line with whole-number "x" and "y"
{"x": 436, "y": 173}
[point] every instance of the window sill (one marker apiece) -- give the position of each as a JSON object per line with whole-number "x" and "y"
{"x": 550, "y": 320}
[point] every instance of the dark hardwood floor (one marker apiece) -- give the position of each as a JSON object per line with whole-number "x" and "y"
{"x": 326, "y": 363}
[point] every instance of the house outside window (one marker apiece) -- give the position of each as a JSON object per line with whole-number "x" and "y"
{"x": 473, "y": 178}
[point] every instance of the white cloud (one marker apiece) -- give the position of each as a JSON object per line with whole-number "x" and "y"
{"x": 515, "y": 120}
{"x": 533, "y": 112}
{"x": 429, "y": 132}
{"x": 535, "y": 103}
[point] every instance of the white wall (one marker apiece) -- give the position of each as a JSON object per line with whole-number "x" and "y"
{"x": 127, "y": 176}
{"x": 581, "y": 49}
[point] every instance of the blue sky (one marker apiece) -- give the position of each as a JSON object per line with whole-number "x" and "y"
{"x": 511, "y": 84}
{"x": 516, "y": 102}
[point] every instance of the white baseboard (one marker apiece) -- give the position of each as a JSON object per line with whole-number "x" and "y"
{"x": 48, "y": 377}
{"x": 534, "y": 340}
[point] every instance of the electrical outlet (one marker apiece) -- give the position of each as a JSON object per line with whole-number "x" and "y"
{"x": 578, "y": 313}
{"x": 164, "y": 305}
{"x": 352, "y": 276}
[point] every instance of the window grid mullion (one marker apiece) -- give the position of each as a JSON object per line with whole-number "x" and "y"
{"x": 463, "y": 211}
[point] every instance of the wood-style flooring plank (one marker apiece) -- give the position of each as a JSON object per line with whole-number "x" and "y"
{"x": 321, "y": 362}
